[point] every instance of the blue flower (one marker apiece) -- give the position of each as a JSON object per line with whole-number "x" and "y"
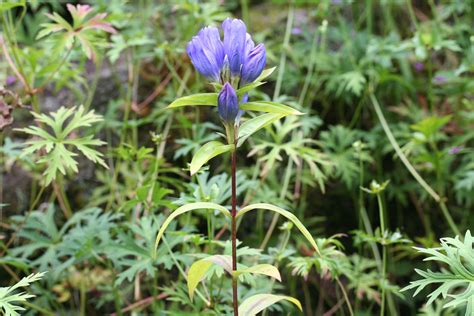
{"x": 235, "y": 40}
{"x": 254, "y": 64}
{"x": 207, "y": 53}
{"x": 228, "y": 104}
{"x": 230, "y": 60}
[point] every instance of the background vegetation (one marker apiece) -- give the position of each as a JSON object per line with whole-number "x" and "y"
{"x": 381, "y": 162}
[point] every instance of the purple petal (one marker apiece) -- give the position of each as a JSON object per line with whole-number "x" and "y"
{"x": 235, "y": 38}
{"x": 254, "y": 64}
{"x": 228, "y": 103}
{"x": 203, "y": 59}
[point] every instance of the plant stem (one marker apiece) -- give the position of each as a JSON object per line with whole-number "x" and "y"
{"x": 409, "y": 166}
{"x": 346, "y": 298}
{"x": 286, "y": 42}
{"x": 62, "y": 198}
{"x": 234, "y": 233}
{"x": 384, "y": 256}
{"x": 284, "y": 189}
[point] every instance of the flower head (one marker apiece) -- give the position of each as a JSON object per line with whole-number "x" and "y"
{"x": 254, "y": 64}
{"x": 229, "y": 60}
{"x": 207, "y": 53}
{"x": 454, "y": 150}
{"x": 228, "y": 104}
{"x": 235, "y": 39}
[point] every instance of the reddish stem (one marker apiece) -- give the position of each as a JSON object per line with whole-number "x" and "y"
{"x": 234, "y": 233}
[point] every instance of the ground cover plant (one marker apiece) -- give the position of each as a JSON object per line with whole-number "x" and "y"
{"x": 237, "y": 158}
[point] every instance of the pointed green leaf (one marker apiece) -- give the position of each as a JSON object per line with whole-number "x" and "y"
{"x": 254, "y": 124}
{"x": 195, "y": 99}
{"x": 265, "y": 269}
{"x": 288, "y": 215}
{"x": 258, "y": 82}
{"x": 206, "y": 153}
{"x": 222, "y": 260}
{"x": 186, "y": 208}
{"x": 266, "y": 73}
{"x": 269, "y": 107}
{"x": 257, "y": 303}
{"x": 199, "y": 268}
{"x": 195, "y": 274}
{"x": 249, "y": 87}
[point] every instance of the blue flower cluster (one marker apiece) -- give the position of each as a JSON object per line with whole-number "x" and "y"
{"x": 234, "y": 62}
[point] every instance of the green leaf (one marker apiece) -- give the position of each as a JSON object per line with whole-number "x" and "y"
{"x": 266, "y": 73}
{"x": 430, "y": 125}
{"x": 10, "y": 5}
{"x": 199, "y": 268}
{"x": 196, "y": 273}
{"x": 254, "y": 124}
{"x": 249, "y": 87}
{"x": 9, "y": 302}
{"x": 59, "y": 155}
{"x": 288, "y": 215}
{"x": 206, "y": 153}
{"x": 186, "y": 208}
{"x": 258, "y": 82}
{"x": 264, "y": 269}
{"x": 195, "y": 99}
{"x": 257, "y": 303}
{"x": 457, "y": 282}
{"x": 269, "y": 107}
{"x": 352, "y": 81}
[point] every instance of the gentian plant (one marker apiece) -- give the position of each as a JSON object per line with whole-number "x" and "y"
{"x": 234, "y": 66}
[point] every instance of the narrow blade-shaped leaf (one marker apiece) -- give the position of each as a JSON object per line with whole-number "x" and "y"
{"x": 199, "y": 268}
{"x": 249, "y": 87}
{"x": 195, "y": 274}
{"x": 195, "y": 99}
{"x": 264, "y": 269}
{"x": 257, "y": 303}
{"x": 206, "y": 153}
{"x": 186, "y": 208}
{"x": 269, "y": 107}
{"x": 288, "y": 215}
{"x": 254, "y": 124}
{"x": 266, "y": 73}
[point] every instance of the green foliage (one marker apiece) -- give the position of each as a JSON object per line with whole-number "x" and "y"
{"x": 257, "y": 303}
{"x": 9, "y": 302}
{"x": 338, "y": 143}
{"x": 457, "y": 283}
{"x": 58, "y": 157}
{"x": 83, "y": 30}
{"x": 206, "y": 153}
{"x": 56, "y": 248}
{"x": 309, "y": 142}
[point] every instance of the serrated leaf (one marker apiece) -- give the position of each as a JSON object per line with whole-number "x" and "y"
{"x": 459, "y": 256}
{"x": 255, "y": 124}
{"x": 195, "y": 99}
{"x": 206, "y": 153}
{"x": 59, "y": 155}
{"x": 286, "y": 214}
{"x": 199, "y": 268}
{"x": 269, "y": 107}
{"x": 257, "y": 303}
{"x": 184, "y": 209}
{"x": 9, "y": 301}
{"x": 264, "y": 269}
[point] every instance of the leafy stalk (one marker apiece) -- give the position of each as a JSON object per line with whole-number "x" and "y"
{"x": 234, "y": 233}
{"x": 410, "y": 168}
